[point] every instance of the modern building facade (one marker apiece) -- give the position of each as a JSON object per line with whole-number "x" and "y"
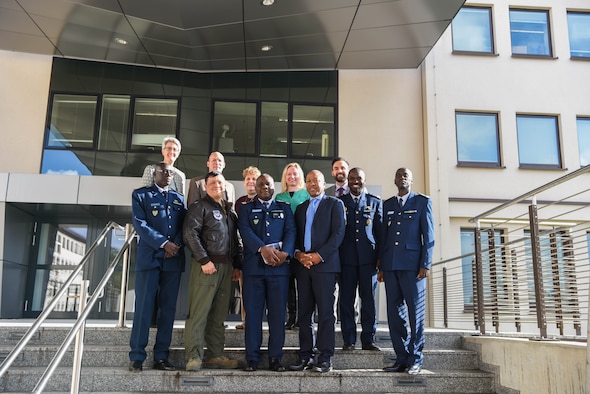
{"x": 497, "y": 107}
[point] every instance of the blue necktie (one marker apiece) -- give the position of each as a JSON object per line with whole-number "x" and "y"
{"x": 313, "y": 205}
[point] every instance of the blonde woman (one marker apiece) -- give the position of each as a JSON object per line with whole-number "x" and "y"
{"x": 293, "y": 192}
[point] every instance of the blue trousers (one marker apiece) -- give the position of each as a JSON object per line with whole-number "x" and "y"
{"x": 260, "y": 291}
{"x": 148, "y": 284}
{"x": 406, "y": 305}
{"x": 365, "y": 278}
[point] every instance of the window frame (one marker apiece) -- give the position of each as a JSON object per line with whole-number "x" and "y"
{"x": 258, "y": 132}
{"x": 98, "y": 112}
{"x": 492, "y": 50}
{"x": 540, "y": 166}
{"x": 467, "y": 163}
{"x": 587, "y": 13}
{"x": 549, "y": 37}
{"x": 580, "y": 152}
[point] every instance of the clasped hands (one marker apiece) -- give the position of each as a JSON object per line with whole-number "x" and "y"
{"x": 170, "y": 249}
{"x": 308, "y": 259}
{"x": 272, "y": 256}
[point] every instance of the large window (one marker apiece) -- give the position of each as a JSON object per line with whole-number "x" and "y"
{"x": 73, "y": 119}
{"x": 538, "y": 141}
{"x": 477, "y": 139}
{"x": 584, "y": 140}
{"x": 472, "y": 30}
{"x": 578, "y": 24}
{"x": 312, "y": 135}
{"x": 90, "y": 134}
{"x": 529, "y": 32}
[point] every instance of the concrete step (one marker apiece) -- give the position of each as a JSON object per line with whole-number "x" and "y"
{"x": 97, "y": 379}
{"x": 118, "y": 356}
{"x": 435, "y": 339}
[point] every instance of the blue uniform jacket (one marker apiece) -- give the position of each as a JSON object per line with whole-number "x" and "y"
{"x": 258, "y": 228}
{"x": 156, "y": 220}
{"x": 363, "y": 224}
{"x": 327, "y": 233}
{"x": 407, "y": 236}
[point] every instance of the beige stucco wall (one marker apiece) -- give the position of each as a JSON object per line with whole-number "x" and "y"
{"x": 380, "y": 124}
{"x": 23, "y": 107}
{"x": 533, "y": 367}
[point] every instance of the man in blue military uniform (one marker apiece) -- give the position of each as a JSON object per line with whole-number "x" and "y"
{"x": 407, "y": 243}
{"x": 268, "y": 233}
{"x": 358, "y": 257}
{"x": 158, "y": 214}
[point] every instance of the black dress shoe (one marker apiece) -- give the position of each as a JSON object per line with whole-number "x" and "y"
{"x": 135, "y": 366}
{"x": 164, "y": 365}
{"x": 303, "y": 364}
{"x": 251, "y": 367}
{"x": 371, "y": 346}
{"x": 348, "y": 346}
{"x": 397, "y": 367}
{"x": 414, "y": 369}
{"x": 274, "y": 364}
{"x": 322, "y": 367}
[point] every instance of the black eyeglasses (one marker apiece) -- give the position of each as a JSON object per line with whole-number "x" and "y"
{"x": 166, "y": 172}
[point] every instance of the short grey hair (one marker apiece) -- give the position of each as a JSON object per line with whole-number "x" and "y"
{"x": 171, "y": 139}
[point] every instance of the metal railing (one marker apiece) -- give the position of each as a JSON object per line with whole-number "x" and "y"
{"x": 85, "y": 308}
{"x": 528, "y": 269}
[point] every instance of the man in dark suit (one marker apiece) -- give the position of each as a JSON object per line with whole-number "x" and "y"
{"x": 158, "y": 214}
{"x": 407, "y": 243}
{"x": 197, "y": 187}
{"x": 340, "y": 174}
{"x": 320, "y": 230}
{"x": 268, "y": 232}
{"x": 358, "y": 256}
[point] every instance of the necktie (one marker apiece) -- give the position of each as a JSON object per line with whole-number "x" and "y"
{"x": 339, "y": 191}
{"x": 165, "y": 193}
{"x": 266, "y": 204}
{"x": 313, "y": 204}
{"x": 401, "y": 202}
{"x": 356, "y": 201}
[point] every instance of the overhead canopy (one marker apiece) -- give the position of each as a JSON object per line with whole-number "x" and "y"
{"x": 229, "y": 35}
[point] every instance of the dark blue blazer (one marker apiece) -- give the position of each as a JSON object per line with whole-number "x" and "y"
{"x": 258, "y": 228}
{"x": 407, "y": 236}
{"x": 363, "y": 224}
{"x": 327, "y": 233}
{"x": 156, "y": 220}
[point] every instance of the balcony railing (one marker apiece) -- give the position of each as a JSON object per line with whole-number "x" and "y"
{"x": 528, "y": 271}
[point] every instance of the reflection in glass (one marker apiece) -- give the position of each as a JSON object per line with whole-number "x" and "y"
{"x": 61, "y": 249}
{"x": 274, "y": 129}
{"x": 538, "y": 140}
{"x": 72, "y": 121}
{"x": 313, "y": 131}
{"x": 234, "y": 127}
{"x": 477, "y": 138}
{"x": 529, "y": 31}
{"x": 578, "y": 24}
{"x": 472, "y": 31}
{"x": 153, "y": 119}
{"x": 114, "y": 123}
{"x": 66, "y": 162}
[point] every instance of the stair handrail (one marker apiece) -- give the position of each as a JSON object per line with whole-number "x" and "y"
{"x": 81, "y": 321}
{"x": 15, "y": 352}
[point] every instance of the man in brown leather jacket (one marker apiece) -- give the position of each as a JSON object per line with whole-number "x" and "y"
{"x": 210, "y": 233}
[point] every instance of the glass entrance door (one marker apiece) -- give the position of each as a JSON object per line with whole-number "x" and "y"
{"x": 57, "y": 251}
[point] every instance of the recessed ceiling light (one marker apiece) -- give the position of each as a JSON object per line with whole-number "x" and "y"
{"x": 266, "y": 48}
{"x": 268, "y": 2}
{"x": 120, "y": 41}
